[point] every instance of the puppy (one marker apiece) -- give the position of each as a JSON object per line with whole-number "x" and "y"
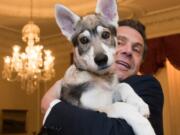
{"x": 90, "y": 82}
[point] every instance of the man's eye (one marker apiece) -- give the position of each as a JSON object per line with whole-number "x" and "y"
{"x": 120, "y": 43}
{"x": 138, "y": 50}
{"x": 84, "y": 40}
{"x": 105, "y": 35}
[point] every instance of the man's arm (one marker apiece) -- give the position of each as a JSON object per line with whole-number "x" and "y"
{"x": 52, "y": 94}
{"x": 82, "y": 121}
{"x": 72, "y": 120}
{"x": 67, "y": 119}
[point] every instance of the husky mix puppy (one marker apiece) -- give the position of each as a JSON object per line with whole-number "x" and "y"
{"x": 90, "y": 82}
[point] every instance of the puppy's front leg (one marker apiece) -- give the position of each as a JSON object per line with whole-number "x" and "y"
{"x": 128, "y": 95}
{"x": 139, "y": 124}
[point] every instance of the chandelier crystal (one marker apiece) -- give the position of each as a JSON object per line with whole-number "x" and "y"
{"x": 32, "y": 66}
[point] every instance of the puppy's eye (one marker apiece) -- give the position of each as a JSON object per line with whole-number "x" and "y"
{"x": 84, "y": 40}
{"x": 105, "y": 35}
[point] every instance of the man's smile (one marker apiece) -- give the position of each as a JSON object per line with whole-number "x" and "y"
{"x": 122, "y": 65}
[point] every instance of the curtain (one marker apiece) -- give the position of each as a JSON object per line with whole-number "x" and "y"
{"x": 160, "y": 49}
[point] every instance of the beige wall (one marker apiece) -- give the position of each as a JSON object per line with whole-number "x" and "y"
{"x": 174, "y": 95}
{"x": 12, "y": 97}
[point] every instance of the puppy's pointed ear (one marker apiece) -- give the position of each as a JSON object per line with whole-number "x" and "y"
{"x": 66, "y": 20}
{"x": 108, "y": 9}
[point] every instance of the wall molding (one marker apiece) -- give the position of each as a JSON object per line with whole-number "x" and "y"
{"x": 162, "y": 22}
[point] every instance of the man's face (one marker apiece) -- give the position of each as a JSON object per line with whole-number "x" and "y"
{"x": 129, "y": 52}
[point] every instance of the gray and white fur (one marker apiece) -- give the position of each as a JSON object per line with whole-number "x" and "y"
{"x": 90, "y": 82}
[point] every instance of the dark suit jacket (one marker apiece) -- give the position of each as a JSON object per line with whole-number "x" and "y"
{"x": 65, "y": 119}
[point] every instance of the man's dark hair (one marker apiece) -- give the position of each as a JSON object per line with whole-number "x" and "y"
{"x": 138, "y": 26}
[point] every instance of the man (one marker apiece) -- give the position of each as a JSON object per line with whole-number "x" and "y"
{"x": 66, "y": 119}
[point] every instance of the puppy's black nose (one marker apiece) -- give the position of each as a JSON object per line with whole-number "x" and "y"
{"x": 101, "y": 60}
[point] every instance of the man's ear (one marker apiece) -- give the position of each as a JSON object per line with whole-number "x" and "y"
{"x": 108, "y": 9}
{"x": 66, "y": 20}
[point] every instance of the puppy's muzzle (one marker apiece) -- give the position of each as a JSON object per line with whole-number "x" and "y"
{"x": 101, "y": 61}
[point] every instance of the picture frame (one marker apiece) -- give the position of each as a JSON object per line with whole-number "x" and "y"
{"x": 14, "y": 121}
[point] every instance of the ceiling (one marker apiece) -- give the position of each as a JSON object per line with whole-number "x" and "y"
{"x": 161, "y": 17}
{"x": 15, "y": 14}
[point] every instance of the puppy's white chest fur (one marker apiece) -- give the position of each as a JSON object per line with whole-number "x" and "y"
{"x": 97, "y": 96}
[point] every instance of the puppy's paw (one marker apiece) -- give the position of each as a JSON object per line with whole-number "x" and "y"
{"x": 144, "y": 110}
{"x": 129, "y": 96}
{"x": 141, "y": 106}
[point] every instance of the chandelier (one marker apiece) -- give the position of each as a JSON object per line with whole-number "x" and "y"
{"x": 32, "y": 66}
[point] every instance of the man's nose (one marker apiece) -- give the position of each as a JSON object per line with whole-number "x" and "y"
{"x": 127, "y": 50}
